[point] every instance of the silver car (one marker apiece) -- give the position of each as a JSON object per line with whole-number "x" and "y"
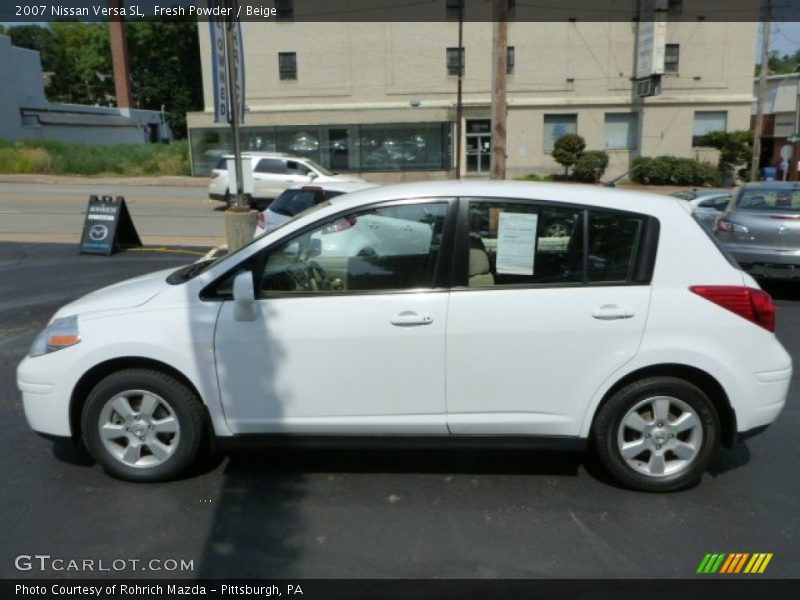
{"x": 707, "y": 203}
{"x": 761, "y": 229}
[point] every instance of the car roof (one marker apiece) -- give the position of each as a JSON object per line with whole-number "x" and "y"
{"x": 613, "y": 198}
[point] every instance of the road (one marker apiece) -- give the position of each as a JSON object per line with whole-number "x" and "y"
{"x": 301, "y": 513}
{"x": 163, "y": 215}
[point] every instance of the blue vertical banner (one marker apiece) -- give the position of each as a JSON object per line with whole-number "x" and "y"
{"x": 219, "y": 68}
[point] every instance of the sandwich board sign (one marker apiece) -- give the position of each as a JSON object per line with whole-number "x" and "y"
{"x": 108, "y": 226}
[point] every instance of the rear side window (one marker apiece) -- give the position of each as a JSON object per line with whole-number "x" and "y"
{"x": 613, "y": 243}
{"x": 769, "y": 199}
{"x": 271, "y": 165}
{"x": 512, "y": 243}
{"x": 293, "y": 202}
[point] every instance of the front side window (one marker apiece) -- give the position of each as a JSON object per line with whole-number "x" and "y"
{"x": 296, "y": 168}
{"x": 390, "y": 248}
{"x": 275, "y": 166}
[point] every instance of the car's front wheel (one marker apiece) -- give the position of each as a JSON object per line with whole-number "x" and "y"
{"x": 657, "y": 434}
{"x": 142, "y": 425}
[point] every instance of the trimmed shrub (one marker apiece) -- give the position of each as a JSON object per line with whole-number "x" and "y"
{"x": 671, "y": 170}
{"x": 567, "y": 149}
{"x": 590, "y": 166}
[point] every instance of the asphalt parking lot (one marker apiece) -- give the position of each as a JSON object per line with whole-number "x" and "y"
{"x": 408, "y": 514}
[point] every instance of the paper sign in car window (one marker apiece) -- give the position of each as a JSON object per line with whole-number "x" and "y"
{"x": 516, "y": 243}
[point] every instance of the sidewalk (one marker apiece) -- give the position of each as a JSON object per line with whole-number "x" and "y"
{"x": 161, "y": 180}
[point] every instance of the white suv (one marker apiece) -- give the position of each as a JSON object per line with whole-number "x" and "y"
{"x": 442, "y": 313}
{"x": 273, "y": 172}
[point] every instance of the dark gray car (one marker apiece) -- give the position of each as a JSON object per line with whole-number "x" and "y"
{"x": 761, "y": 229}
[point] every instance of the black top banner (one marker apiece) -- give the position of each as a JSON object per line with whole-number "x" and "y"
{"x": 288, "y": 11}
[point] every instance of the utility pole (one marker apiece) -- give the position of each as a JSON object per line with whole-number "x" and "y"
{"x": 231, "y": 47}
{"x": 499, "y": 76}
{"x": 762, "y": 89}
{"x": 119, "y": 58}
{"x": 459, "y": 96}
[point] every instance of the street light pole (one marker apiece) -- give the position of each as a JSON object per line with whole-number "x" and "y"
{"x": 459, "y": 102}
{"x": 762, "y": 91}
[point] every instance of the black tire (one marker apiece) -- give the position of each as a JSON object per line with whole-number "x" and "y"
{"x": 185, "y": 408}
{"x": 606, "y": 432}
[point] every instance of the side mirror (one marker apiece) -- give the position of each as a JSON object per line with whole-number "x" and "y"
{"x": 244, "y": 297}
{"x": 313, "y": 175}
{"x": 315, "y": 247}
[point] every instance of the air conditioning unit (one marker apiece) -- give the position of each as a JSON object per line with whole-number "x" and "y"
{"x": 648, "y": 87}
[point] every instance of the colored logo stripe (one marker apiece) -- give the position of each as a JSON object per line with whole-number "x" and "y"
{"x": 734, "y": 562}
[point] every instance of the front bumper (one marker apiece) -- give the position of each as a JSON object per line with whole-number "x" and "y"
{"x": 218, "y": 197}
{"x": 45, "y": 404}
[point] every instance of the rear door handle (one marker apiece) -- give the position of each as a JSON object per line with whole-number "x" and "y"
{"x": 409, "y": 318}
{"x": 611, "y": 312}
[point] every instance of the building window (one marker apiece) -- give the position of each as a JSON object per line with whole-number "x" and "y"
{"x": 287, "y": 65}
{"x": 557, "y": 125}
{"x": 510, "y": 60}
{"x": 674, "y": 7}
{"x": 622, "y": 130}
{"x": 512, "y": 8}
{"x": 455, "y": 61}
{"x": 672, "y": 54}
{"x": 284, "y": 10}
{"x": 706, "y": 121}
{"x": 453, "y": 8}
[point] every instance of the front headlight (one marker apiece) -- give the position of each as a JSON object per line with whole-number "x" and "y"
{"x": 60, "y": 333}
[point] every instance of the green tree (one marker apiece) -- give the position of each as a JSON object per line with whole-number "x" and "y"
{"x": 165, "y": 67}
{"x": 567, "y": 149}
{"x": 735, "y": 150}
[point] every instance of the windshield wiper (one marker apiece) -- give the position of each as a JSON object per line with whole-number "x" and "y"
{"x": 188, "y": 272}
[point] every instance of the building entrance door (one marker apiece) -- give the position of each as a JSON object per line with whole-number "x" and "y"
{"x": 479, "y": 146}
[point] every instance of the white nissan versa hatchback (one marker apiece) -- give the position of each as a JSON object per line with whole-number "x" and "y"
{"x": 465, "y": 321}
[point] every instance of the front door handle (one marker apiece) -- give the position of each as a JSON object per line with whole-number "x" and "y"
{"x": 409, "y": 318}
{"x": 611, "y": 312}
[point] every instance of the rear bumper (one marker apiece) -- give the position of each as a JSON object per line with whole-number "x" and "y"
{"x": 766, "y": 262}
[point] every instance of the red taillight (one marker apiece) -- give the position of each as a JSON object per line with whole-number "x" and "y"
{"x": 749, "y": 303}
{"x": 340, "y": 225}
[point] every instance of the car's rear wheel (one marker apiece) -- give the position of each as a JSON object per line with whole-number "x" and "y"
{"x": 142, "y": 425}
{"x": 657, "y": 434}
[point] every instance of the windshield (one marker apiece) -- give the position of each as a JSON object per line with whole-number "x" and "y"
{"x": 769, "y": 200}
{"x": 319, "y": 168}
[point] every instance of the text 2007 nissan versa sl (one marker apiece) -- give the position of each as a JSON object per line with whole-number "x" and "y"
{"x": 443, "y": 311}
